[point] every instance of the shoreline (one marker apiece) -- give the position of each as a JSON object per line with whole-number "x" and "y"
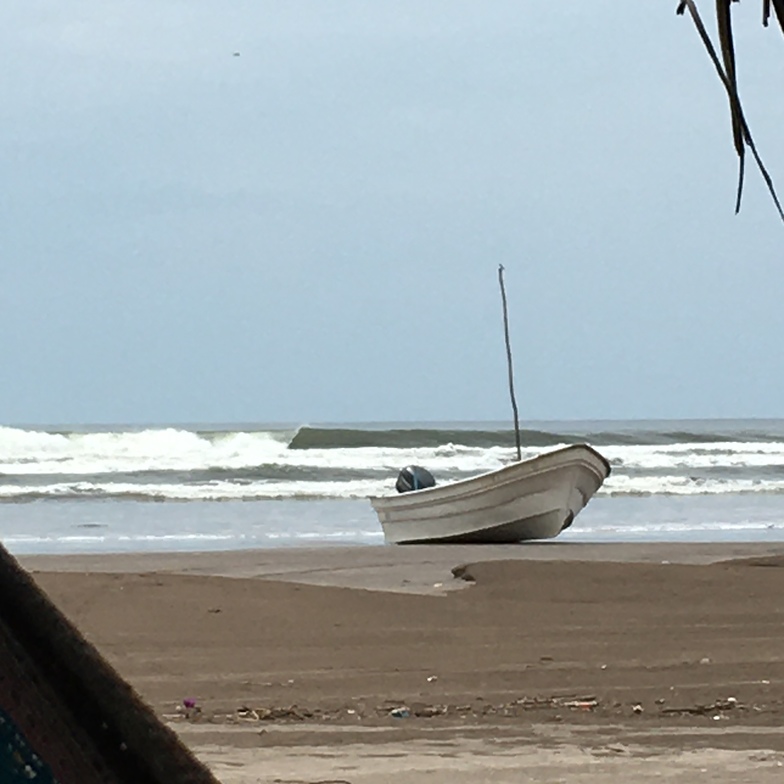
{"x": 399, "y": 568}
{"x": 554, "y": 660}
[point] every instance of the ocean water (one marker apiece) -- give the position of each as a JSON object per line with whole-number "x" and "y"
{"x": 121, "y": 489}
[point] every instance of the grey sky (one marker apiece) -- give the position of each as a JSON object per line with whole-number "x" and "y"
{"x": 310, "y": 231}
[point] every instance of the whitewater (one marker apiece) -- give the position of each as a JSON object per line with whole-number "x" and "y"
{"x": 70, "y": 489}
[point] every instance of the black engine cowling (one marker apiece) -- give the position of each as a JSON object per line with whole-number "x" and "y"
{"x": 414, "y": 478}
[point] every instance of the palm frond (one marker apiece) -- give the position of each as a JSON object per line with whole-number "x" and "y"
{"x": 724, "y": 23}
{"x": 726, "y": 69}
{"x": 778, "y": 6}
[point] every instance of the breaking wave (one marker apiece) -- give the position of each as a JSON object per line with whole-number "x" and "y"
{"x": 311, "y": 462}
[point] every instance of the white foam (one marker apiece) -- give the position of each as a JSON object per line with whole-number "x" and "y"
{"x": 696, "y": 455}
{"x": 33, "y": 452}
{"x": 176, "y": 537}
{"x": 95, "y": 457}
{"x": 211, "y": 491}
{"x": 616, "y": 485}
{"x": 672, "y": 527}
{"x": 326, "y": 535}
{"x": 619, "y": 484}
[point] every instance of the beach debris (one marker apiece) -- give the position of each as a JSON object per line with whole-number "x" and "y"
{"x": 432, "y": 678}
{"x": 462, "y": 572}
{"x": 310, "y": 781}
{"x": 554, "y": 707}
{"x": 705, "y": 660}
{"x": 428, "y": 711}
{"x": 573, "y": 702}
{"x": 189, "y": 709}
{"x": 716, "y": 708}
{"x": 290, "y": 713}
{"x": 581, "y": 704}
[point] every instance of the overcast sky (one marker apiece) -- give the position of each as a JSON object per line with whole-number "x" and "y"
{"x": 309, "y": 230}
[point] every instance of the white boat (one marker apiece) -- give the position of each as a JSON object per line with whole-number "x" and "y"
{"x": 530, "y": 499}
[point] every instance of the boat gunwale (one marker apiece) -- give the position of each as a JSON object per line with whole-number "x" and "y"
{"x": 467, "y": 487}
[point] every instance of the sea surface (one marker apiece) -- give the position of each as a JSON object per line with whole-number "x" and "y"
{"x": 223, "y": 487}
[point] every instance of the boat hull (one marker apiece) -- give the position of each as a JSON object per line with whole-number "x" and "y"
{"x": 532, "y": 499}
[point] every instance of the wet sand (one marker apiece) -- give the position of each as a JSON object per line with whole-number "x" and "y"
{"x": 371, "y": 664}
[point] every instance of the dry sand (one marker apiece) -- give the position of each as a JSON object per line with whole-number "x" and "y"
{"x": 557, "y": 662}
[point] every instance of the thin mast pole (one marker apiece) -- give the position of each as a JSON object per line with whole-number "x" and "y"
{"x": 509, "y": 360}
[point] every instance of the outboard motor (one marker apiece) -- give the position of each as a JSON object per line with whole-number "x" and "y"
{"x": 414, "y": 478}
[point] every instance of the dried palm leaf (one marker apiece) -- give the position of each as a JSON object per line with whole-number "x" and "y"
{"x": 727, "y": 73}
{"x": 778, "y": 6}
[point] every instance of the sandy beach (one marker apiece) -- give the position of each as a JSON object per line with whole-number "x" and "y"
{"x": 550, "y": 662}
